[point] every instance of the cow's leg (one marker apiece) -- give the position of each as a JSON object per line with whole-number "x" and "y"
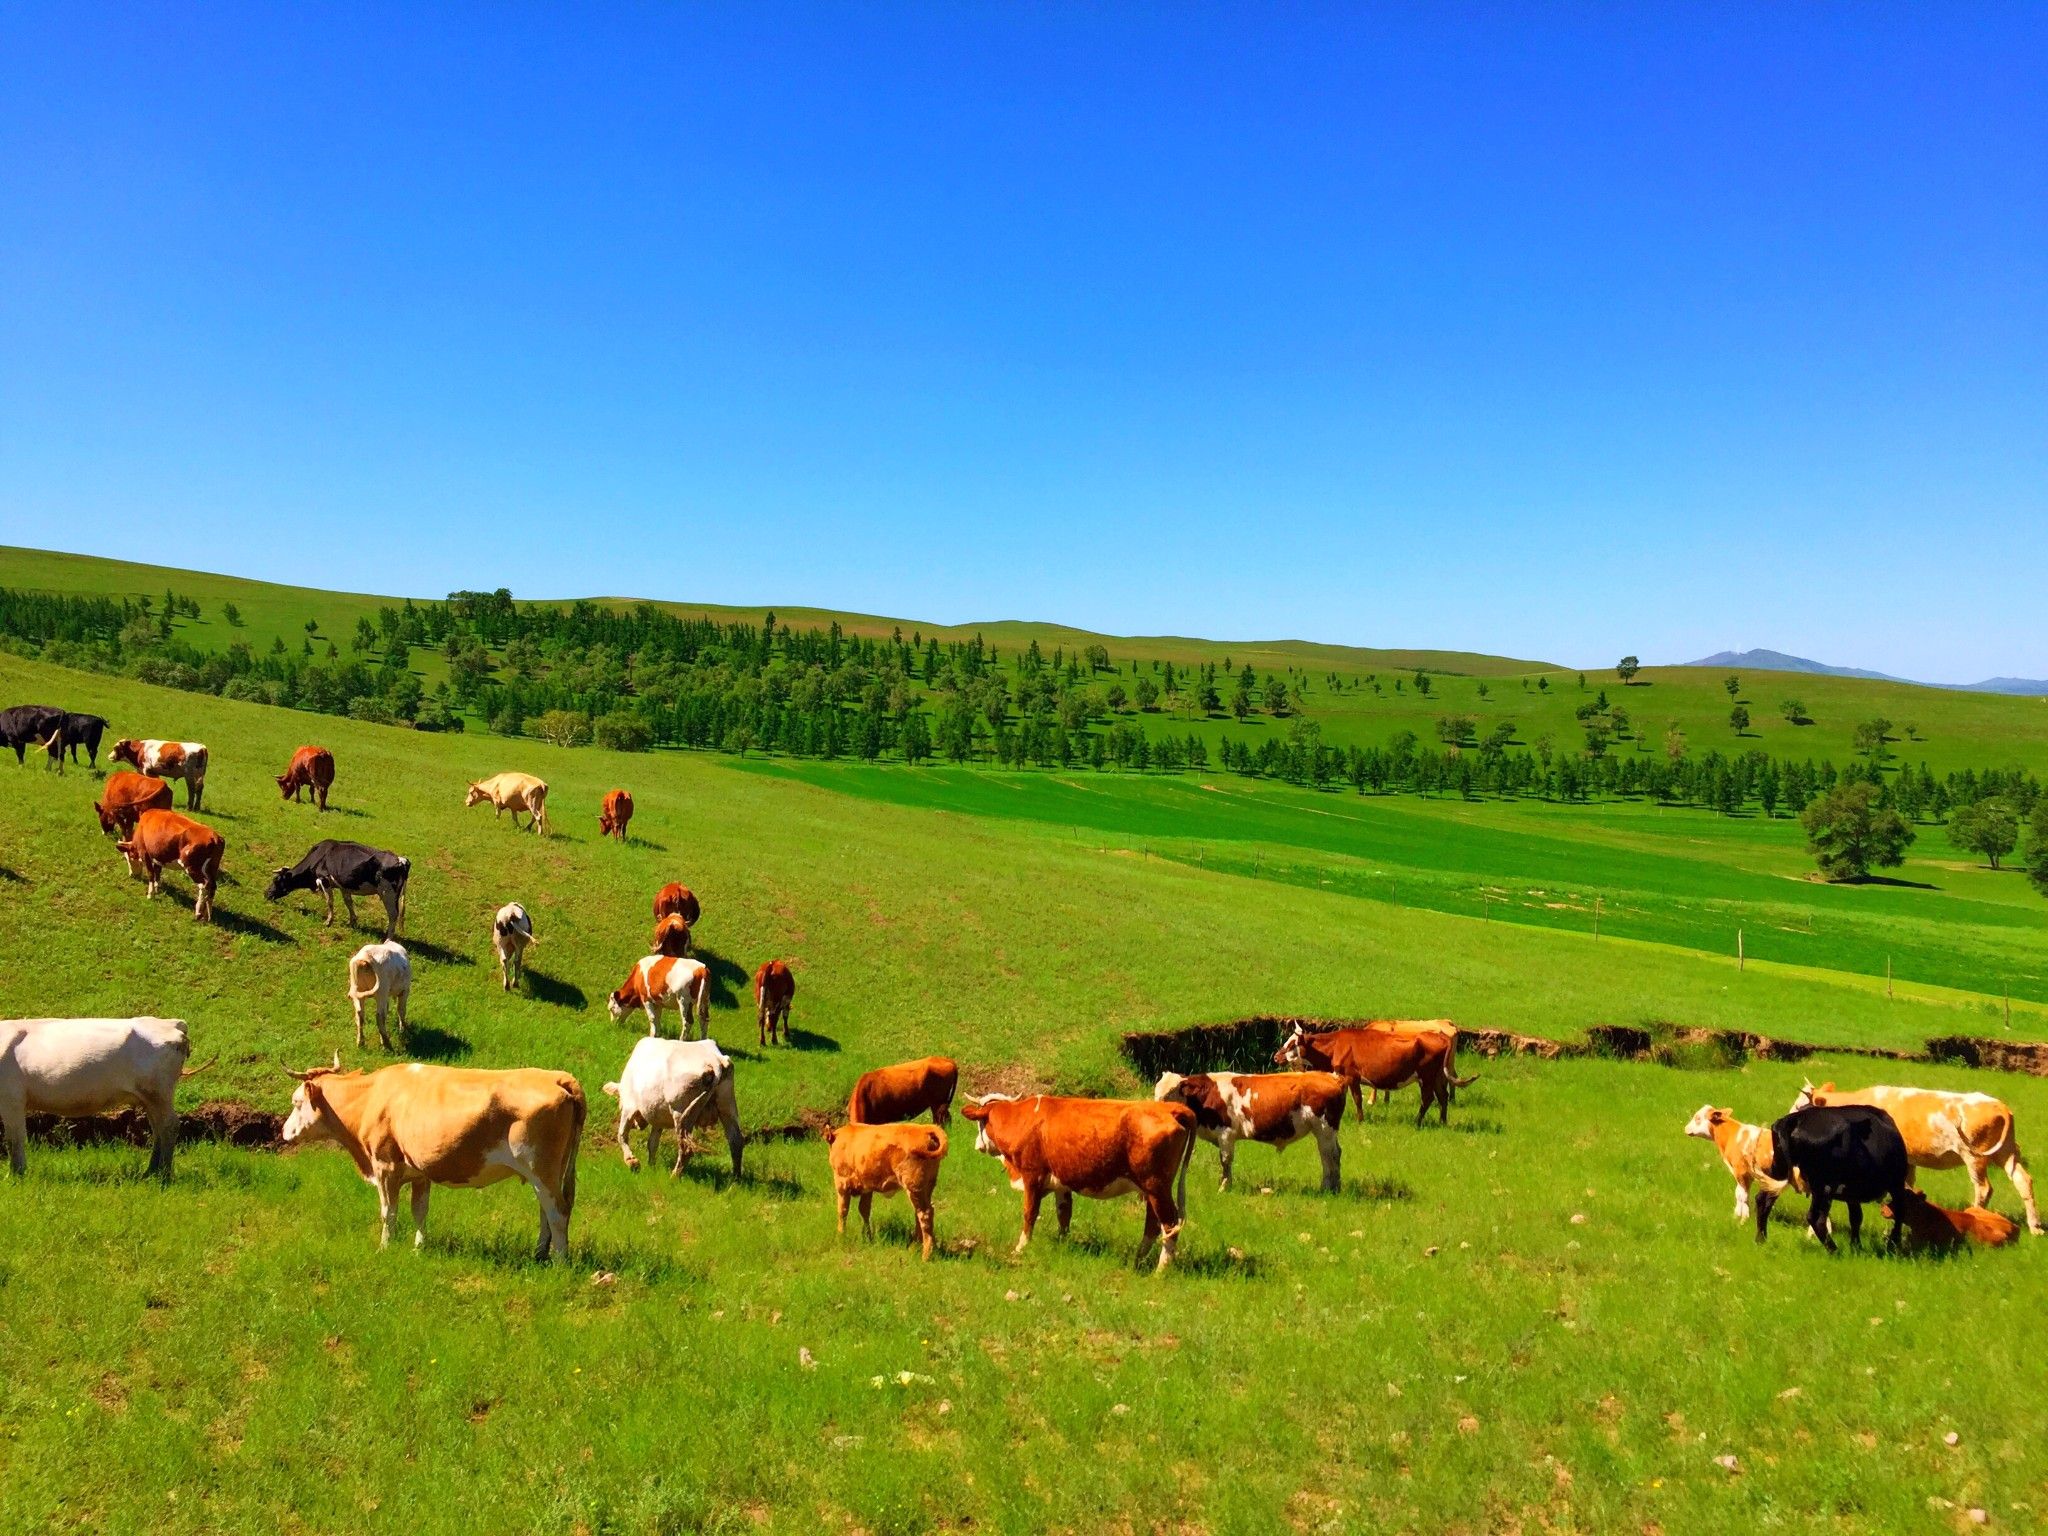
{"x": 1063, "y": 1207}
{"x": 653, "y": 1137}
{"x": 162, "y": 1114}
{"x": 389, "y": 893}
{"x": 1817, "y": 1220}
{"x": 1150, "y": 1235}
{"x": 1226, "y": 1155}
{"x": 625, "y": 1141}
{"x": 554, "y": 1224}
{"x": 1980, "y": 1180}
{"x": 844, "y": 1198}
{"x": 867, "y": 1224}
{"x": 14, "y": 1122}
{"x": 1742, "y": 1197}
{"x": 2022, "y": 1180}
{"x": 1033, "y": 1194}
{"x": 348, "y": 900}
{"x": 387, "y": 1205}
{"x": 1855, "y": 1223}
{"x": 383, "y": 1011}
{"x": 327, "y": 895}
{"x": 358, "y": 1002}
{"x": 421, "y": 1189}
{"x": 404, "y": 1002}
{"x": 653, "y": 1017}
{"x": 1358, "y": 1099}
{"x": 1331, "y": 1148}
{"x": 682, "y": 1129}
{"x": 925, "y": 1224}
{"x": 729, "y": 1118}
{"x": 761, "y": 1022}
{"x": 1765, "y": 1199}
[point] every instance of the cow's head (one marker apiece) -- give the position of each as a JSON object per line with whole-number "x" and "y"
{"x": 280, "y": 884}
{"x": 476, "y": 794}
{"x": 977, "y": 1110}
{"x": 308, "y": 1120}
{"x": 127, "y": 751}
{"x": 285, "y": 781}
{"x": 1168, "y": 1087}
{"x": 1809, "y": 1095}
{"x": 107, "y": 822}
{"x": 1290, "y": 1053}
{"x": 1703, "y": 1122}
{"x": 620, "y": 1004}
{"x": 1909, "y": 1206}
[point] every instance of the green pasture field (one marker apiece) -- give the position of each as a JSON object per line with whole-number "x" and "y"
{"x": 1441, "y": 1347}
{"x": 1951, "y": 730}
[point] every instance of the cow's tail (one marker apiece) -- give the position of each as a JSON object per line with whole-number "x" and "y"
{"x": 362, "y": 980}
{"x": 575, "y": 1091}
{"x": 203, "y": 1066}
{"x": 1187, "y": 1156}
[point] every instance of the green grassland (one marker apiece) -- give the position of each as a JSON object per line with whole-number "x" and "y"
{"x": 1441, "y": 1347}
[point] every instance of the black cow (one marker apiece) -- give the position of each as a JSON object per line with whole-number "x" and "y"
{"x": 1849, "y": 1152}
{"x": 353, "y": 869}
{"x": 28, "y": 725}
{"x": 73, "y": 732}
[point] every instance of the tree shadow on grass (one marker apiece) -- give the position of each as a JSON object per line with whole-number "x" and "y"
{"x": 554, "y": 992}
{"x": 1891, "y": 880}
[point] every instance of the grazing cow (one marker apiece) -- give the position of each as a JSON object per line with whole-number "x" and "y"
{"x": 511, "y": 932}
{"x": 514, "y": 792}
{"x": 1100, "y": 1148}
{"x": 126, "y": 796}
{"x": 1277, "y": 1108}
{"x": 905, "y": 1091}
{"x": 613, "y": 815}
{"x": 382, "y": 971}
{"x": 1379, "y": 1058}
{"x": 354, "y": 869}
{"x": 72, "y": 732}
{"x": 774, "y": 991}
{"x": 165, "y": 837}
{"x": 1852, "y": 1152}
{"x": 167, "y": 760}
{"x": 657, "y": 981}
{"x": 1931, "y": 1226}
{"x": 419, "y": 1126}
{"x": 871, "y": 1160}
{"x": 310, "y": 768}
{"x": 1745, "y": 1149}
{"x": 680, "y": 1083}
{"x": 78, "y": 1067}
{"x": 674, "y": 900}
{"x": 671, "y": 938}
{"x": 1948, "y": 1130}
{"x": 1443, "y": 1027}
{"x": 29, "y": 725}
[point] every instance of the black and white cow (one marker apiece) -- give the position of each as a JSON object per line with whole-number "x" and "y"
{"x": 1848, "y": 1152}
{"x": 28, "y": 725}
{"x": 354, "y": 869}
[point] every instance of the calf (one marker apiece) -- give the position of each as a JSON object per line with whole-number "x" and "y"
{"x": 613, "y": 815}
{"x": 1948, "y": 1130}
{"x": 871, "y": 1160}
{"x": 419, "y": 1126}
{"x": 511, "y": 933}
{"x": 514, "y": 792}
{"x": 774, "y": 990}
{"x": 682, "y": 1083}
{"x": 1745, "y": 1149}
{"x": 72, "y": 732}
{"x": 79, "y": 1067}
{"x": 167, "y": 760}
{"x": 1100, "y": 1148}
{"x": 125, "y": 797}
{"x": 28, "y": 725}
{"x": 905, "y": 1091}
{"x": 1372, "y": 1056}
{"x": 382, "y": 971}
{"x": 1936, "y": 1228}
{"x": 1852, "y": 1153}
{"x": 671, "y": 937}
{"x": 674, "y": 900}
{"x": 1277, "y": 1108}
{"x": 161, "y": 838}
{"x": 310, "y": 768}
{"x": 354, "y": 869}
{"x": 659, "y": 980}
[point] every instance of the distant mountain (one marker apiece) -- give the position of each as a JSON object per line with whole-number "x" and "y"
{"x": 1778, "y": 661}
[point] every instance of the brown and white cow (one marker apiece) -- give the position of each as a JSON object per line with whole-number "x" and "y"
{"x": 659, "y": 980}
{"x": 417, "y": 1126}
{"x": 904, "y": 1091}
{"x": 514, "y": 792}
{"x": 126, "y": 796}
{"x": 675, "y": 900}
{"x": 871, "y": 1160}
{"x": 613, "y": 815}
{"x": 167, "y": 760}
{"x": 1370, "y": 1056}
{"x": 1937, "y": 1228}
{"x": 671, "y": 937}
{"x": 774, "y": 991}
{"x": 1277, "y": 1108}
{"x": 311, "y": 768}
{"x": 1100, "y": 1148}
{"x": 1745, "y": 1149}
{"x": 163, "y": 838}
{"x": 1947, "y": 1130}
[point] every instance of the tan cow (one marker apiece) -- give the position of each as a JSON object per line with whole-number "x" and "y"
{"x": 905, "y": 1091}
{"x": 1745, "y": 1149}
{"x": 1100, "y": 1148}
{"x": 514, "y": 792}
{"x": 417, "y": 1126}
{"x": 871, "y": 1160}
{"x": 161, "y": 838}
{"x": 1947, "y": 1130}
{"x": 659, "y": 980}
{"x": 167, "y": 760}
{"x": 1277, "y": 1108}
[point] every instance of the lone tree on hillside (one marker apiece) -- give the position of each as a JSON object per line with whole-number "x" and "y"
{"x": 1988, "y": 827}
{"x": 1738, "y": 717}
{"x": 1794, "y": 711}
{"x": 1849, "y": 833}
{"x": 1870, "y": 738}
{"x": 1626, "y": 669}
{"x": 2037, "y": 846}
{"x": 1733, "y": 684}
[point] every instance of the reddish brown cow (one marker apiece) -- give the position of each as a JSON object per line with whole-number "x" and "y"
{"x": 677, "y": 901}
{"x": 311, "y": 768}
{"x": 871, "y": 1160}
{"x": 1100, "y": 1148}
{"x": 165, "y": 837}
{"x": 126, "y": 797}
{"x": 1379, "y": 1058}
{"x": 774, "y": 990}
{"x": 905, "y": 1091}
{"x": 671, "y": 938}
{"x": 613, "y": 815}
{"x": 1928, "y": 1225}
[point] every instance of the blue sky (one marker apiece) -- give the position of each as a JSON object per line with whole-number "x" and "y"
{"x": 1559, "y": 332}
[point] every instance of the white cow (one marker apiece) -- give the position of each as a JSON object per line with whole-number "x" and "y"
{"x": 514, "y": 792}
{"x": 77, "y": 1067}
{"x": 511, "y": 932}
{"x": 382, "y": 971}
{"x": 682, "y": 1083}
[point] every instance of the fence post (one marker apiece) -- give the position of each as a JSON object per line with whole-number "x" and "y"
{"x": 1739, "y": 963}
{"x": 1596, "y": 919}
{"x": 1887, "y": 978}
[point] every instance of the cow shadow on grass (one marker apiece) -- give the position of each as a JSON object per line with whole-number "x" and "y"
{"x": 729, "y": 979}
{"x": 428, "y": 949}
{"x": 11, "y": 877}
{"x": 553, "y": 991}
{"x": 250, "y": 927}
{"x": 810, "y": 1040}
{"x": 1122, "y": 1249}
{"x": 513, "y": 1250}
{"x": 1378, "y": 1188}
{"x": 431, "y": 1044}
{"x": 711, "y": 1167}
{"x": 647, "y": 843}
{"x": 898, "y": 1229}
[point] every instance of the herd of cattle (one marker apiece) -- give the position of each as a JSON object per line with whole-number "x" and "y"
{"x": 410, "y": 1127}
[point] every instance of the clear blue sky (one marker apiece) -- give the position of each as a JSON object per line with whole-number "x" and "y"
{"x": 1557, "y": 332}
